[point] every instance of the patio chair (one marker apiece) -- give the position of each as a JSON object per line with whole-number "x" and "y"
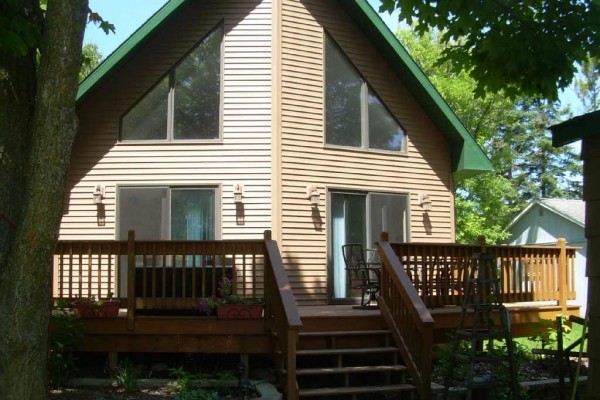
{"x": 360, "y": 275}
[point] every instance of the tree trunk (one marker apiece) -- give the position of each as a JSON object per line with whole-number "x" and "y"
{"x": 25, "y": 272}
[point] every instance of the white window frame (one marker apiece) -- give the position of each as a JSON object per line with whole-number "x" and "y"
{"x": 171, "y": 99}
{"x": 364, "y": 109}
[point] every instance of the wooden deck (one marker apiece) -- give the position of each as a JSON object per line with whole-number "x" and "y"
{"x": 422, "y": 286}
{"x": 199, "y": 334}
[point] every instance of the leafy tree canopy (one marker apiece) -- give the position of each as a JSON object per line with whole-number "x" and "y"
{"x": 526, "y": 47}
{"x": 587, "y": 84}
{"x": 91, "y": 59}
{"x": 513, "y": 134}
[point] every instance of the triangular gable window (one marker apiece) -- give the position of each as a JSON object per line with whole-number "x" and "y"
{"x": 185, "y": 103}
{"x": 354, "y": 115}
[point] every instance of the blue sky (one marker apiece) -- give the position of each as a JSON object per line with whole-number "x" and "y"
{"x": 128, "y": 15}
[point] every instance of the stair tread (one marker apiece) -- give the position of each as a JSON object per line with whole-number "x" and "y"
{"x": 359, "y": 350}
{"x": 346, "y": 333}
{"x": 356, "y": 369}
{"x": 356, "y": 390}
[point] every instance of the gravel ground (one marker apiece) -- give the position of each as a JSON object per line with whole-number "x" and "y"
{"x": 111, "y": 393}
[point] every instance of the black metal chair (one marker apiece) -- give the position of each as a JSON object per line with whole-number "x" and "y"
{"x": 360, "y": 275}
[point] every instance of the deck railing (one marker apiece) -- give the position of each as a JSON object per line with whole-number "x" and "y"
{"x": 168, "y": 275}
{"x": 407, "y": 317}
{"x": 528, "y": 273}
{"x": 282, "y": 318}
{"x": 158, "y": 274}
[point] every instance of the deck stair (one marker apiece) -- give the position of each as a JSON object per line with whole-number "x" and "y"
{"x": 351, "y": 364}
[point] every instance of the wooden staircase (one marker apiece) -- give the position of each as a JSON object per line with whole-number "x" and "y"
{"x": 353, "y": 360}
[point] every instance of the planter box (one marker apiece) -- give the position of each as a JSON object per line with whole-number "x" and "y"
{"x": 225, "y": 311}
{"x": 109, "y": 309}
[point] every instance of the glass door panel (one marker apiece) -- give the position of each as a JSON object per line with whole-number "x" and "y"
{"x": 360, "y": 218}
{"x": 144, "y": 210}
{"x": 388, "y": 214}
{"x": 192, "y": 218}
{"x": 348, "y": 215}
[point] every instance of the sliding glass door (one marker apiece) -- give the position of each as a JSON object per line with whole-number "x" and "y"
{"x": 163, "y": 213}
{"x": 360, "y": 218}
{"x": 348, "y": 213}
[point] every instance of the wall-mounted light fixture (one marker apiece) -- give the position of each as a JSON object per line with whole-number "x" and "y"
{"x": 238, "y": 192}
{"x": 313, "y": 194}
{"x": 98, "y": 194}
{"x": 425, "y": 201}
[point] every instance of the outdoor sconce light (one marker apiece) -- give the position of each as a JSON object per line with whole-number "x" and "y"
{"x": 238, "y": 192}
{"x": 425, "y": 201}
{"x": 98, "y": 194}
{"x": 313, "y": 194}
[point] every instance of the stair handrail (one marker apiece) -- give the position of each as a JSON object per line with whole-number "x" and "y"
{"x": 407, "y": 317}
{"x": 281, "y": 317}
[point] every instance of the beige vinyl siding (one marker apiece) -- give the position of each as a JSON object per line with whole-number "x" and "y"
{"x": 242, "y": 155}
{"x": 307, "y": 161}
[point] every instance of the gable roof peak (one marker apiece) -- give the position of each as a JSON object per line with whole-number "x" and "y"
{"x": 468, "y": 159}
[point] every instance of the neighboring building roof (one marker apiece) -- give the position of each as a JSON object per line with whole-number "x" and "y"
{"x": 576, "y": 128}
{"x": 571, "y": 210}
{"x": 468, "y": 159}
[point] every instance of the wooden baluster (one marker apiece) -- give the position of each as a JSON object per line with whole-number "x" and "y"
{"x": 563, "y": 294}
{"x": 130, "y": 280}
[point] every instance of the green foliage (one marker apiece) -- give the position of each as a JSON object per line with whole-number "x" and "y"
{"x": 182, "y": 379}
{"x": 91, "y": 59}
{"x": 513, "y": 134}
{"x": 547, "y": 334}
{"x": 587, "y": 85}
{"x": 217, "y": 387}
{"x": 207, "y": 305}
{"x": 198, "y": 394}
{"x": 66, "y": 334}
{"x": 459, "y": 367}
{"x": 20, "y": 29}
{"x": 96, "y": 19}
{"x": 125, "y": 376}
{"x": 510, "y": 46}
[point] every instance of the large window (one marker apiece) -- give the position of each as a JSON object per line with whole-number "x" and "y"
{"x": 185, "y": 103}
{"x": 359, "y": 217}
{"x": 354, "y": 115}
{"x": 163, "y": 213}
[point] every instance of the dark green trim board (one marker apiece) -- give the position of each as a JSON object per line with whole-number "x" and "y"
{"x": 467, "y": 157}
{"x": 577, "y": 128}
{"x": 127, "y": 48}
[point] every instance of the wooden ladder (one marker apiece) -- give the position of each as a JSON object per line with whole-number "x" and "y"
{"x": 475, "y": 363}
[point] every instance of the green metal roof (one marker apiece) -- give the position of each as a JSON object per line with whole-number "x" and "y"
{"x": 576, "y": 128}
{"x": 467, "y": 157}
{"x": 127, "y": 48}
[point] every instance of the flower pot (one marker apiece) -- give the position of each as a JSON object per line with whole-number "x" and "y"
{"x": 238, "y": 311}
{"x": 110, "y": 309}
{"x": 82, "y": 309}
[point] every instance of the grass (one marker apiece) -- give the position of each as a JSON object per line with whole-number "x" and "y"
{"x": 547, "y": 337}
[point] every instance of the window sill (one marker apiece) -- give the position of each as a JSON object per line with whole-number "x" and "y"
{"x": 365, "y": 150}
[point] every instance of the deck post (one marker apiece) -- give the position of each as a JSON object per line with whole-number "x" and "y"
{"x": 130, "y": 279}
{"x": 113, "y": 362}
{"x": 481, "y": 242}
{"x": 563, "y": 294}
{"x": 384, "y": 237}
